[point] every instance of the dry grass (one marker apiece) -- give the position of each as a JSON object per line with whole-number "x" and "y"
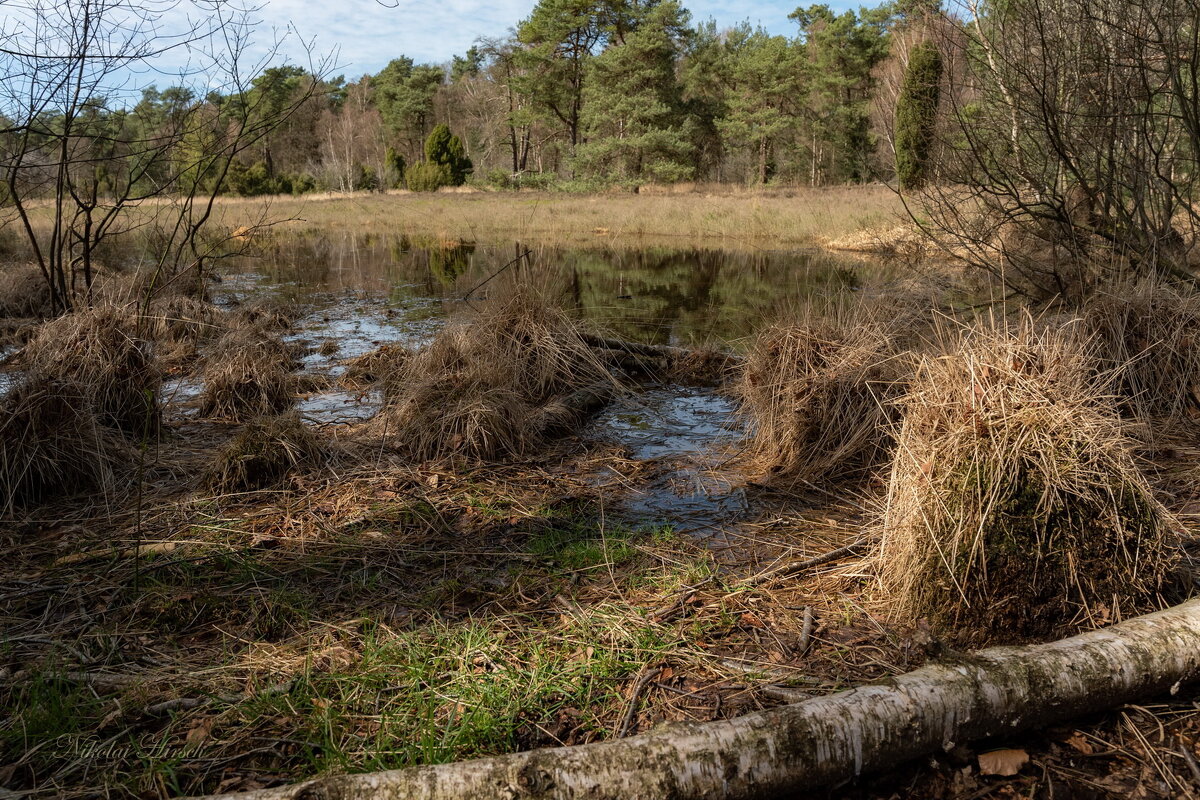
{"x": 482, "y": 389}
{"x": 381, "y": 365}
{"x": 247, "y": 375}
{"x": 1015, "y": 507}
{"x": 23, "y": 291}
{"x": 818, "y": 392}
{"x": 265, "y": 452}
{"x": 52, "y": 444}
{"x": 267, "y": 314}
{"x": 105, "y": 353}
{"x": 1149, "y": 340}
{"x": 737, "y": 219}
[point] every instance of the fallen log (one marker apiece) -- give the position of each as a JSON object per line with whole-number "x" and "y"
{"x": 824, "y": 740}
{"x": 678, "y": 363}
{"x": 564, "y": 414}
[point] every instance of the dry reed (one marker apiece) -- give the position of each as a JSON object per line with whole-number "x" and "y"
{"x": 1015, "y": 507}
{"x": 1149, "y": 341}
{"x": 817, "y": 393}
{"x": 381, "y": 365}
{"x": 23, "y": 291}
{"x": 52, "y": 443}
{"x": 482, "y": 388}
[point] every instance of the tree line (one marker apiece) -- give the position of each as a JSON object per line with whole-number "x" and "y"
{"x": 582, "y": 93}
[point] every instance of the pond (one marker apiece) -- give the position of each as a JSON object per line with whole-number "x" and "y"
{"x": 364, "y": 291}
{"x": 390, "y": 287}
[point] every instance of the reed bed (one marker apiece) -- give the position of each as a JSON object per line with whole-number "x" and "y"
{"x": 1015, "y": 507}
{"x": 493, "y": 384}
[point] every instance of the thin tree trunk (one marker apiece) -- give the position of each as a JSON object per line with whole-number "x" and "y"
{"x": 821, "y": 741}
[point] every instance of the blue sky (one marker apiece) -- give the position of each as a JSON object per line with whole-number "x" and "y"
{"x": 369, "y": 33}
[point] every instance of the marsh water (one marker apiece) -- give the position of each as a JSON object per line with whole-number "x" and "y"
{"x": 363, "y": 291}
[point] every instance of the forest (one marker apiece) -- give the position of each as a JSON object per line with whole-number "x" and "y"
{"x": 631, "y": 407}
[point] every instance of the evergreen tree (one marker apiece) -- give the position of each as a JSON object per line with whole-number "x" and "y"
{"x": 633, "y": 114}
{"x": 916, "y": 115}
{"x": 446, "y": 150}
{"x": 765, "y": 81}
{"x": 841, "y": 53}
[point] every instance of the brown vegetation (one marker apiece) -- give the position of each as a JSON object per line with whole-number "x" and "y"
{"x": 817, "y": 393}
{"x": 247, "y": 375}
{"x": 378, "y": 366}
{"x": 104, "y": 352}
{"x": 481, "y": 388}
{"x": 52, "y": 443}
{"x": 23, "y": 291}
{"x": 1015, "y": 506}
{"x": 265, "y": 452}
{"x": 1149, "y": 341}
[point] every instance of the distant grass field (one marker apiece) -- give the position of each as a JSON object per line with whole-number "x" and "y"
{"x": 729, "y": 219}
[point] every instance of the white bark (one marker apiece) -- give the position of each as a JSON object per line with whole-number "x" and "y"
{"x": 824, "y": 740}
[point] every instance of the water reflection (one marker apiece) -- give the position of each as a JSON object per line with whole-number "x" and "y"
{"x": 655, "y": 294}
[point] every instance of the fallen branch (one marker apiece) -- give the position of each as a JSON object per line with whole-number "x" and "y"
{"x": 793, "y": 567}
{"x": 825, "y": 740}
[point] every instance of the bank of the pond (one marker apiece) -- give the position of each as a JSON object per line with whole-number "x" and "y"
{"x": 751, "y": 220}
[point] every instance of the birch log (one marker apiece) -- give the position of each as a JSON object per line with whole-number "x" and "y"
{"x": 825, "y": 740}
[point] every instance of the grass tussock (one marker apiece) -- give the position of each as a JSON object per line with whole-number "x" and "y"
{"x": 180, "y": 324}
{"x": 23, "y": 292}
{"x": 266, "y": 314}
{"x": 265, "y": 452}
{"x": 381, "y": 365}
{"x": 104, "y": 352}
{"x": 1015, "y": 507}
{"x": 818, "y": 394}
{"x": 53, "y": 445}
{"x": 495, "y": 384}
{"x": 1149, "y": 341}
{"x": 247, "y": 375}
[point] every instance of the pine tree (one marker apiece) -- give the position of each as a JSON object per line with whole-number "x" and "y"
{"x": 916, "y": 115}
{"x": 633, "y": 114}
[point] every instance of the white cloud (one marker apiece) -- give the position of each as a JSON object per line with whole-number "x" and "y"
{"x": 368, "y": 33}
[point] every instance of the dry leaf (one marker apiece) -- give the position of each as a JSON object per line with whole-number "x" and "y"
{"x": 198, "y": 734}
{"x": 1002, "y": 762}
{"x": 1078, "y": 741}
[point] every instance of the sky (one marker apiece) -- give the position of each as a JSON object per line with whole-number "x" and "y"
{"x": 370, "y": 33}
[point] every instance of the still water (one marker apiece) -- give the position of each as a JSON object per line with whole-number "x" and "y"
{"x": 363, "y": 287}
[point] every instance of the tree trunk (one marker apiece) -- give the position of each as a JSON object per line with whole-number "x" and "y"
{"x": 817, "y": 742}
